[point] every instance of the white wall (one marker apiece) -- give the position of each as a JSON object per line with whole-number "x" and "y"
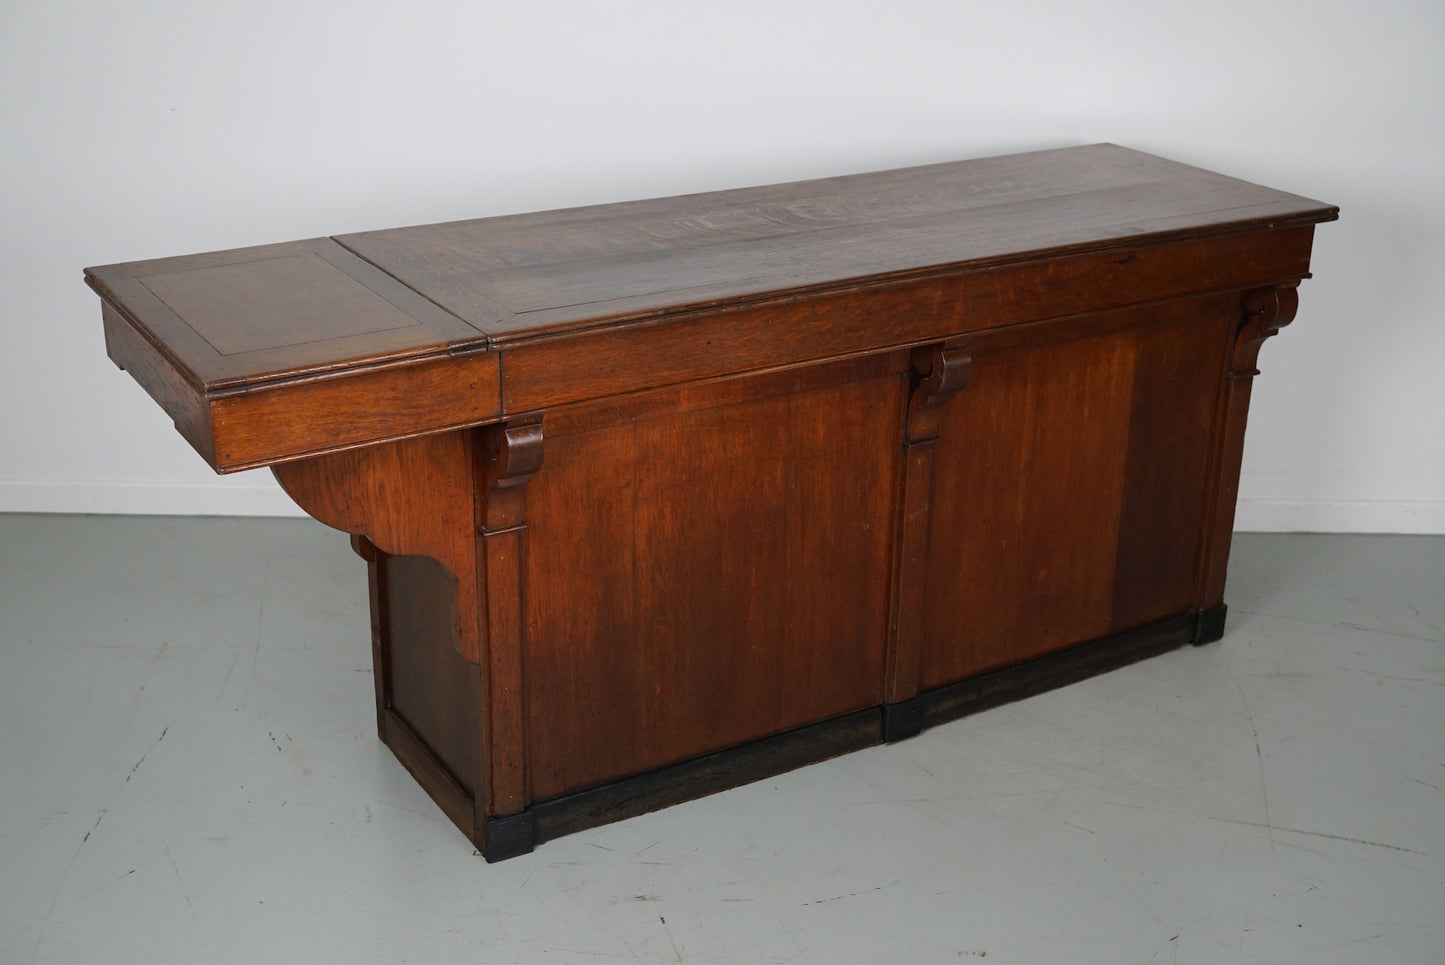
{"x": 150, "y": 128}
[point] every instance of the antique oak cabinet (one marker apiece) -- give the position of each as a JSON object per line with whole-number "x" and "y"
{"x": 661, "y": 497}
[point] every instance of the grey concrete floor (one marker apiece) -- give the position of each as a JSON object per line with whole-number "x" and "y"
{"x": 189, "y": 773}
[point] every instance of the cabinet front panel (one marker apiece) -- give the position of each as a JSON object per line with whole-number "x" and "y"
{"x": 706, "y": 574}
{"x": 1069, "y": 485}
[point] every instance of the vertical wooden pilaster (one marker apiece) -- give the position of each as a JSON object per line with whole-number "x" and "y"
{"x": 511, "y": 453}
{"x": 939, "y": 373}
{"x": 1263, "y": 313}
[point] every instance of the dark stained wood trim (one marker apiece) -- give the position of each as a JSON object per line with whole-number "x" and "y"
{"x": 1056, "y": 669}
{"x": 708, "y": 774}
{"x": 771, "y": 756}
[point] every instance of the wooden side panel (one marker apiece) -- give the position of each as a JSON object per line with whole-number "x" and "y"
{"x": 156, "y": 373}
{"x": 705, "y": 576}
{"x": 1070, "y": 484}
{"x": 428, "y": 683}
{"x": 1176, "y": 392}
{"x": 410, "y": 507}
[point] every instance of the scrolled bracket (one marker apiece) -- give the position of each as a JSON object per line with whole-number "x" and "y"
{"x": 940, "y": 372}
{"x": 511, "y": 455}
{"x": 1265, "y": 312}
{"x": 513, "y": 452}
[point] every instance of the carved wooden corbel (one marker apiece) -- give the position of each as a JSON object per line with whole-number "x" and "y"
{"x": 940, "y": 372}
{"x": 1266, "y": 311}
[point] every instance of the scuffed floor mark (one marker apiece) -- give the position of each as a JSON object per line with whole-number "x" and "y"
{"x": 65, "y": 875}
{"x": 92, "y": 829}
{"x": 851, "y": 894}
{"x": 1322, "y": 834}
{"x": 235, "y": 659}
{"x": 147, "y": 753}
{"x": 1338, "y": 623}
{"x": 59, "y": 887}
{"x": 675, "y": 950}
{"x": 1258, "y": 756}
{"x": 260, "y": 636}
{"x": 92, "y": 894}
{"x": 773, "y": 911}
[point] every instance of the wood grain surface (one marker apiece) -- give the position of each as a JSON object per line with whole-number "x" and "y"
{"x": 662, "y": 496}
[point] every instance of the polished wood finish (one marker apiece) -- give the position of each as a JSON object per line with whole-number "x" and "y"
{"x": 664, "y": 496}
{"x": 713, "y": 574}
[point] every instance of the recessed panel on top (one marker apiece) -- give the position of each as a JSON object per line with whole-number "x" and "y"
{"x": 519, "y": 275}
{"x": 273, "y": 302}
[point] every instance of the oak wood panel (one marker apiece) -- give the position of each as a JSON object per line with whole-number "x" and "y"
{"x": 551, "y": 371}
{"x": 283, "y": 351}
{"x": 293, "y": 419}
{"x": 282, "y": 298}
{"x": 1028, "y": 477}
{"x": 1172, "y": 427}
{"x": 707, "y": 577}
{"x": 260, "y": 314}
{"x": 724, "y": 390}
{"x": 429, "y": 685}
{"x": 414, "y": 497}
{"x": 162, "y": 380}
{"x": 552, "y": 271}
{"x": 1071, "y": 483}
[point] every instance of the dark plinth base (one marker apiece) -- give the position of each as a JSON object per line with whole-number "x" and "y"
{"x": 902, "y": 720}
{"x": 1209, "y": 625}
{"x": 516, "y": 834}
{"x": 510, "y": 836}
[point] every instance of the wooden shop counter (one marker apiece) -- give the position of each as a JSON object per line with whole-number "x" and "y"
{"x": 661, "y": 497}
